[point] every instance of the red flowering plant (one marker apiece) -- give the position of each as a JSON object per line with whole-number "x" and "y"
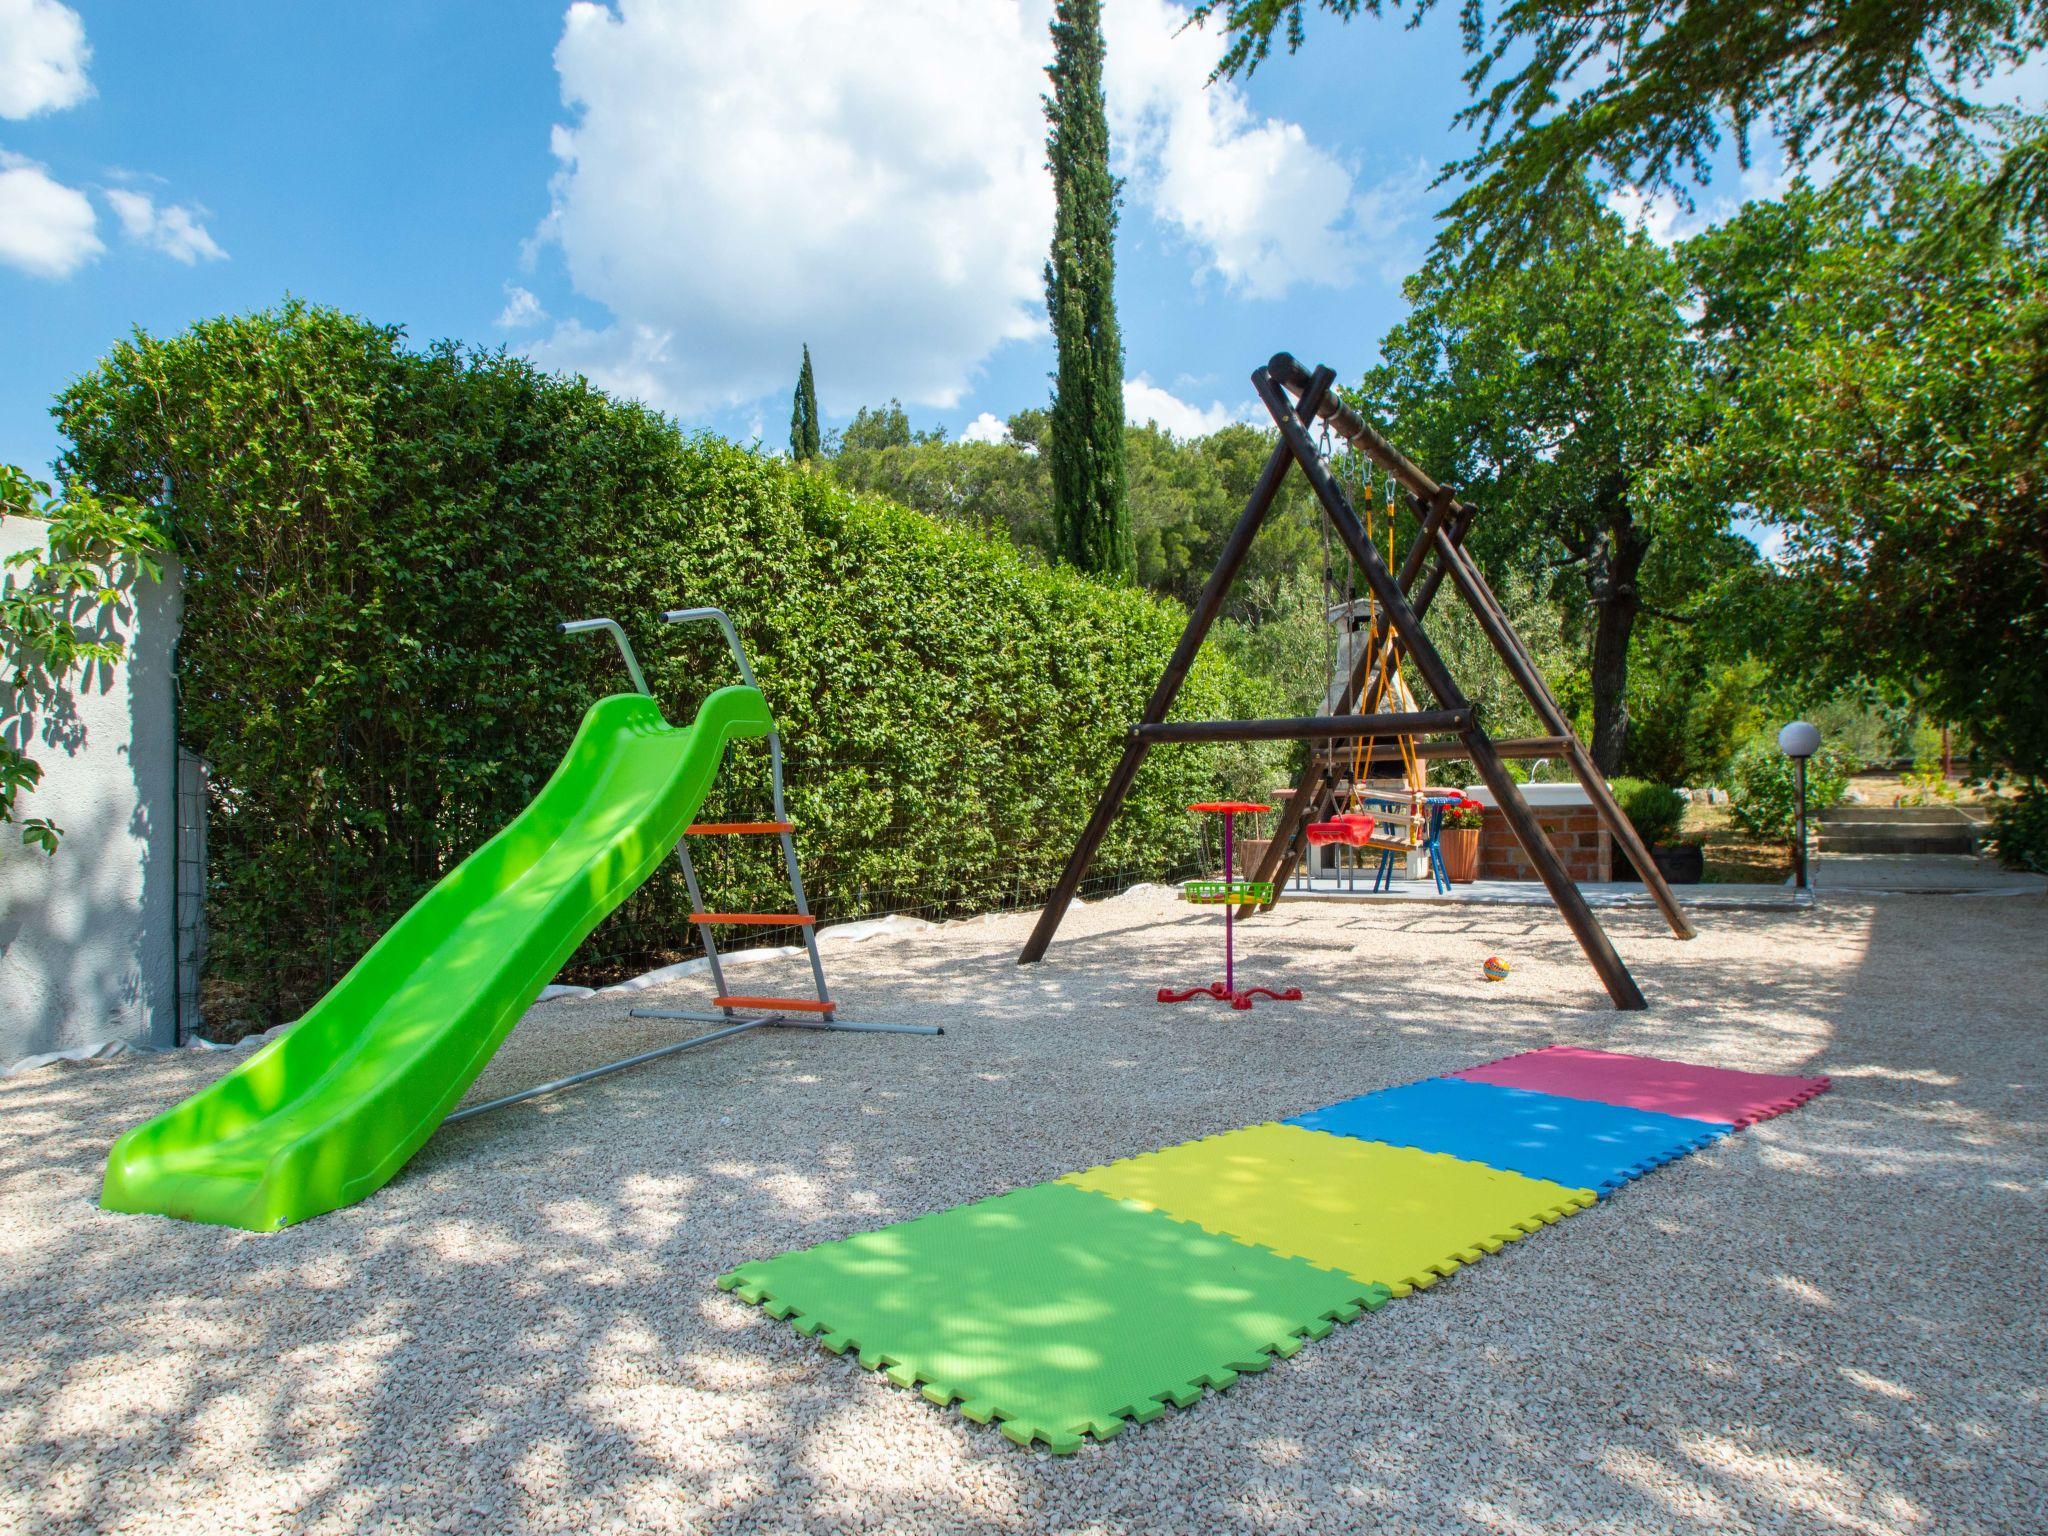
{"x": 1464, "y": 815}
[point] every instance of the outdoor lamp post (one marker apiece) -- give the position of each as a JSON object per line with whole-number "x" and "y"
{"x": 1799, "y": 741}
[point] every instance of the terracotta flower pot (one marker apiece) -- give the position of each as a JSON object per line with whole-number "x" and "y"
{"x": 1461, "y": 854}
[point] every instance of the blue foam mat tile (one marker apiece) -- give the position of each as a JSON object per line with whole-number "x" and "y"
{"x": 1582, "y": 1143}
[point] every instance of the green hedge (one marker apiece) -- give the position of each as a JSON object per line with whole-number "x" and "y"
{"x": 379, "y": 542}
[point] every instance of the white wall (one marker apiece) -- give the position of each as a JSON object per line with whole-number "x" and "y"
{"x": 88, "y": 936}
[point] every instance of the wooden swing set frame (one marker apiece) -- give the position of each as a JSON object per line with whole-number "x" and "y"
{"x": 1299, "y": 400}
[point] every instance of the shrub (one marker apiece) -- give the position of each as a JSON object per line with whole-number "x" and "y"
{"x": 2019, "y": 829}
{"x": 1655, "y": 810}
{"x": 1687, "y": 717}
{"x": 1926, "y": 784}
{"x": 1760, "y": 786}
{"x": 378, "y": 544}
{"x": 62, "y": 611}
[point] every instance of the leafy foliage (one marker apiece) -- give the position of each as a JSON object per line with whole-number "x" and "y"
{"x": 1085, "y": 440}
{"x": 380, "y": 541}
{"x": 993, "y": 488}
{"x": 1689, "y": 710}
{"x": 60, "y": 614}
{"x": 805, "y": 442}
{"x": 1557, "y": 397}
{"x": 1643, "y": 91}
{"x": 2019, "y": 829}
{"x": 1184, "y": 497}
{"x": 1762, "y": 790}
{"x": 1875, "y": 391}
{"x": 1464, "y": 815}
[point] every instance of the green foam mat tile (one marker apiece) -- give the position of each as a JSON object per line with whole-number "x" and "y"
{"x": 1055, "y": 1312}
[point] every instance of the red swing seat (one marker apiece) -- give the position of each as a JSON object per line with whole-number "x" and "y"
{"x": 1356, "y": 829}
{"x": 1350, "y": 828}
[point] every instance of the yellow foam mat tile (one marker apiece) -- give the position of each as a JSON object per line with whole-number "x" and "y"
{"x": 1394, "y": 1216}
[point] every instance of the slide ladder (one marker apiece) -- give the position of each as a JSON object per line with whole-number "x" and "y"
{"x": 787, "y": 1012}
{"x": 736, "y": 1013}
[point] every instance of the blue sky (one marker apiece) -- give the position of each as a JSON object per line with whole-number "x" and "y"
{"x": 675, "y": 195}
{"x": 396, "y": 160}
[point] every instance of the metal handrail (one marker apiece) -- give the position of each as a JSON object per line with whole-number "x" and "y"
{"x": 611, "y": 627}
{"x": 732, "y": 636}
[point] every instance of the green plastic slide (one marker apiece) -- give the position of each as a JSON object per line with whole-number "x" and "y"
{"x": 330, "y": 1110}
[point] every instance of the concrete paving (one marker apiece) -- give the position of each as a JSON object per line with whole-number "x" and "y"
{"x": 1531, "y": 893}
{"x": 1861, "y": 873}
{"x": 1924, "y": 874}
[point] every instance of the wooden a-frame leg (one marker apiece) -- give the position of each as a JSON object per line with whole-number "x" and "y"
{"x": 1529, "y": 678}
{"x": 1571, "y": 901}
{"x": 1199, "y": 622}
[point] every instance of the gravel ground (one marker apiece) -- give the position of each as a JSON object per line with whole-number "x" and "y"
{"x": 1830, "y": 1323}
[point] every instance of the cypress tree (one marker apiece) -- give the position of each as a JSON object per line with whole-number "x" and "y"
{"x": 1085, "y": 436}
{"x": 804, "y": 439}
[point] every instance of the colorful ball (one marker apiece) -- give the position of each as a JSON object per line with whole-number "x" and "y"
{"x": 1496, "y": 969}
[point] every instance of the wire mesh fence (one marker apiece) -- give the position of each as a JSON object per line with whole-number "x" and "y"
{"x": 190, "y": 843}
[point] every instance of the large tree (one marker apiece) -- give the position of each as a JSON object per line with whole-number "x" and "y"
{"x": 1557, "y": 396}
{"x": 1876, "y": 397}
{"x": 1644, "y": 92}
{"x": 1085, "y": 436}
{"x": 805, "y": 441}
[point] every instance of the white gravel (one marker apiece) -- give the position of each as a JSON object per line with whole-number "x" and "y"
{"x": 1830, "y": 1323}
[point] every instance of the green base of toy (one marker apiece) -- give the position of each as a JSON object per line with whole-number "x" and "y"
{"x": 331, "y": 1110}
{"x": 1238, "y": 893}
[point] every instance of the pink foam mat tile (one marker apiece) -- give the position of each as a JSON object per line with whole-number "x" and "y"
{"x": 1646, "y": 1082}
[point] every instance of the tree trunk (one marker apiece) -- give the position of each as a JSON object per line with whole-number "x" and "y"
{"x": 1616, "y": 603}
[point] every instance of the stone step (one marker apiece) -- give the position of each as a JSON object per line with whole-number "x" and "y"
{"x": 1925, "y": 815}
{"x": 1869, "y": 838}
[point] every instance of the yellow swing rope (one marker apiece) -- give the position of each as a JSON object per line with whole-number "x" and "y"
{"x": 1381, "y": 672}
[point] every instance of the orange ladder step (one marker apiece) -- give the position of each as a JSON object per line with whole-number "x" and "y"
{"x": 713, "y": 828}
{"x": 756, "y": 919}
{"x": 776, "y": 1004}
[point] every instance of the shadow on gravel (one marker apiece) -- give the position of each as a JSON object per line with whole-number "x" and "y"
{"x": 1820, "y": 1325}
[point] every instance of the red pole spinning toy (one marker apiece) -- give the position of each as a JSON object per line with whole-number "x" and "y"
{"x": 1229, "y": 894}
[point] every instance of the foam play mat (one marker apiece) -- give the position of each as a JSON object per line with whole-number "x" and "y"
{"x": 1064, "y": 1311}
{"x": 1581, "y": 1143}
{"x": 1057, "y": 1312}
{"x": 1396, "y": 1216}
{"x": 1646, "y": 1082}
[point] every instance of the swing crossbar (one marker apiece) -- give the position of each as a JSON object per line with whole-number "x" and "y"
{"x": 1523, "y": 748}
{"x": 1308, "y": 727}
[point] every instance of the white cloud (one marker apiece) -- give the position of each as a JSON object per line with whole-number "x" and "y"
{"x": 46, "y": 228}
{"x": 1666, "y": 219}
{"x": 1145, "y": 402}
{"x": 172, "y": 228}
{"x": 986, "y": 428}
{"x": 43, "y": 54}
{"x": 867, "y": 178}
{"x": 1659, "y": 215}
{"x": 1266, "y": 208}
{"x": 521, "y": 309}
